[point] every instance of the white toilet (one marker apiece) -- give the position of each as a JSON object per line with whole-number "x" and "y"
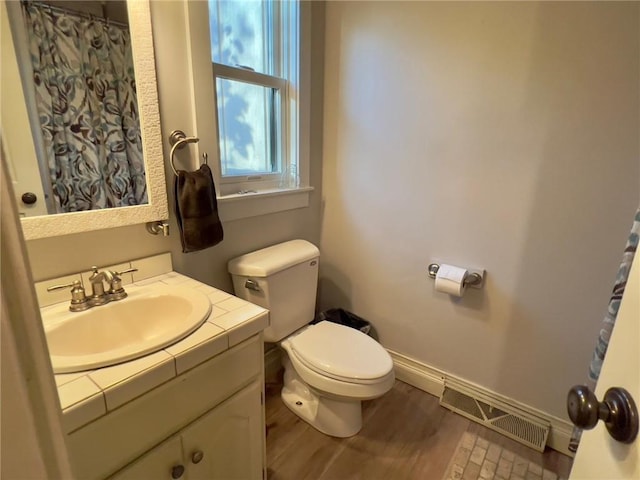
{"x": 329, "y": 368}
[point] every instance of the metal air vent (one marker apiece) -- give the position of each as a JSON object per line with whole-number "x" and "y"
{"x": 511, "y": 424}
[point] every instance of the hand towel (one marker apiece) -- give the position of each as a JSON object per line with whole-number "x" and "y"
{"x": 197, "y": 210}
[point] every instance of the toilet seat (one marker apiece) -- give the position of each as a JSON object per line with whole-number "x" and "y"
{"x": 341, "y": 353}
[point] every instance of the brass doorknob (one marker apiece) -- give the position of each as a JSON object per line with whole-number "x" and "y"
{"x": 617, "y": 410}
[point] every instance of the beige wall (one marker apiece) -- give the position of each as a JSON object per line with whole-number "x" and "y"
{"x": 57, "y": 256}
{"x": 495, "y": 135}
{"x": 61, "y": 255}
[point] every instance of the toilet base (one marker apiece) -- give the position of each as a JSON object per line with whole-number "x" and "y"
{"x": 331, "y": 416}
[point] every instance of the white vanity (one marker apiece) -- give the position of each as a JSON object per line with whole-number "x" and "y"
{"x": 194, "y": 409}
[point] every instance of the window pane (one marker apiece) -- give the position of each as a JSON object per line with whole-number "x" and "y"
{"x": 248, "y": 132}
{"x": 241, "y": 34}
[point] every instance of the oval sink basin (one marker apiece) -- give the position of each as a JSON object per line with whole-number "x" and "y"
{"x": 149, "y": 319}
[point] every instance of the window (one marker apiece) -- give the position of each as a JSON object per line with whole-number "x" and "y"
{"x": 254, "y": 50}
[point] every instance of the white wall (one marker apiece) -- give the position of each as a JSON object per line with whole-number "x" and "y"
{"x": 497, "y": 135}
{"x": 57, "y": 256}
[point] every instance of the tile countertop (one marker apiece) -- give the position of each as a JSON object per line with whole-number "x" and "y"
{"x": 86, "y": 396}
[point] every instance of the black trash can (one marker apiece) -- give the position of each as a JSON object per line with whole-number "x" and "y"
{"x": 344, "y": 317}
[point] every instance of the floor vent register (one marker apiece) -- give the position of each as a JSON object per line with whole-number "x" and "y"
{"x": 515, "y": 425}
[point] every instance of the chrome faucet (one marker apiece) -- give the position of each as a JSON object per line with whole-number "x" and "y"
{"x": 114, "y": 291}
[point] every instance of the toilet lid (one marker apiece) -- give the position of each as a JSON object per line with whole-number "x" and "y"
{"x": 341, "y": 352}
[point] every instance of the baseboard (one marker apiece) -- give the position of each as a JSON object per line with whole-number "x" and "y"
{"x": 560, "y": 435}
{"x": 432, "y": 381}
{"x": 419, "y": 375}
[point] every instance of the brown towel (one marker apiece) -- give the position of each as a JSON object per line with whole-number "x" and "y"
{"x": 197, "y": 210}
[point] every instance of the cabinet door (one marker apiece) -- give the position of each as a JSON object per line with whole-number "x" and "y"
{"x": 227, "y": 443}
{"x": 163, "y": 462}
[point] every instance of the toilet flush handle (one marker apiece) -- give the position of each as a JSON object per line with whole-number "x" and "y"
{"x": 252, "y": 285}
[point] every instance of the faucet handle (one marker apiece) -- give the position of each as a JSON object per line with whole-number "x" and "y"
{"x": 75, "y": 284}
{"x": 116, "y": 281}
{"x": 79, "y": 300}
{"x": 95, "y": 271}
{"x": 116, "y": 291}
{"x": 129, "y": 270}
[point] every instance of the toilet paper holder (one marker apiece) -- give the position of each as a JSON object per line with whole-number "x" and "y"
{"x": 475, "y": 278}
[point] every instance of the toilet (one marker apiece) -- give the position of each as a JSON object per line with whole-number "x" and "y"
{"x": 329, "y": 368}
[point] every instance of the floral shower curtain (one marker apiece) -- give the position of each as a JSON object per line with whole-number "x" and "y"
{"x": 86, "y": 101}
{"x": 610, "y": 317}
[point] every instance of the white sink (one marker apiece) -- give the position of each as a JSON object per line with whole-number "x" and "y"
{"x": 149, "y": 319}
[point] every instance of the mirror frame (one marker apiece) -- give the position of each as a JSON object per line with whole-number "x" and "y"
{"x": 147, "y": 93}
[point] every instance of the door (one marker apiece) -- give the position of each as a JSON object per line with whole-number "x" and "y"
{"x": 599, "y": 456}
{"x": 227, "y": 443}
{"x": 17, "y": 142}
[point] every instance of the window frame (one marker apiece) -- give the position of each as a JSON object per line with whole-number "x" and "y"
{"x": 285, "y": 80}
{"x": 258, "y": 198}
{"x": 245, "y": 75}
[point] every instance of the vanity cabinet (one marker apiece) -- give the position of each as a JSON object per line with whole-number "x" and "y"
{"x": 159, "y": 463}
{"x": 215, "y": 409}
{"x": 225, "y": 443}
{"x": 230, "y": 439}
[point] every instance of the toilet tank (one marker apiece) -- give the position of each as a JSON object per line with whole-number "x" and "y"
{"x": 282, "y": 278}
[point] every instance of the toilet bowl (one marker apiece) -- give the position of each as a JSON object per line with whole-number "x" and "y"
{"x": 329, "y": 368}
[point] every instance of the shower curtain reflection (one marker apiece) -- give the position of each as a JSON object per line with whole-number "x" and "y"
{"x": 85, "y": 95}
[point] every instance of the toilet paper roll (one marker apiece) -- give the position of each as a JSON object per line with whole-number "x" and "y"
{"x": 450, "y": 279}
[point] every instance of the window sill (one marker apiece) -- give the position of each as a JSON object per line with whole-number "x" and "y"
{"x": 237, "y": 206}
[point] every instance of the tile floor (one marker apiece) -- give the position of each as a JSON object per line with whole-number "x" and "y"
{"x": 477, "y": 458}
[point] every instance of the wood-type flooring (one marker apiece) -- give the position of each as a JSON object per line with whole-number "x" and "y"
{"x": 406, "y": 434}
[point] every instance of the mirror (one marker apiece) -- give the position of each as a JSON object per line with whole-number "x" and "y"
{"x": 151, "y": 172}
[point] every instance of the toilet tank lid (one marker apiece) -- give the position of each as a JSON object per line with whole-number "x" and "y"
{"x": 270, "y": 260}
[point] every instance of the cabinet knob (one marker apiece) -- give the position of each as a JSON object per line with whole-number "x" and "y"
{"x": 177, "y": 471}
{"x": 617, "y": 410}
{"x": 197, "y": 456}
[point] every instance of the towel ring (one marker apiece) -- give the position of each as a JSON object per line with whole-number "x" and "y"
{"x": 178, "y": 139}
